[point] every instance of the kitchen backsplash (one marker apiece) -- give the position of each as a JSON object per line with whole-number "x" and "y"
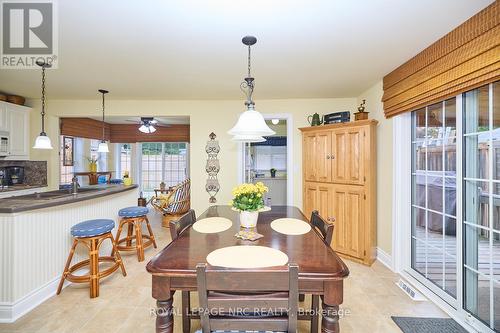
{"x": 35, "y": 172}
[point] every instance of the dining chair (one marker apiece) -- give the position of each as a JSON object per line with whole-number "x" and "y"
{"x": 248, "y": 300}
{"x": 176, "y": 228}
{"x": 325, "y": 230}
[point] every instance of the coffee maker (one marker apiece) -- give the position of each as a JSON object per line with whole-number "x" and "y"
{"x": 14, "y": 175}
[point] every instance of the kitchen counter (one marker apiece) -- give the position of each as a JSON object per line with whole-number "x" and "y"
{"x": 14, "y": 188}
{"x": 36, "y": 238}
{"x": 40, "y": 200}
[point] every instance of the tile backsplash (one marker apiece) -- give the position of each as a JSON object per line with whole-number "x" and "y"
{"x": 35, "y": 172}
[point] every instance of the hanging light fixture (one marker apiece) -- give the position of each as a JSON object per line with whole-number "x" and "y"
{"x": 251, "y": 125}
{"x": 103, "y": 146}
{"x": 275, "y": 121}
{"x": 43, "y": 141}
{"x": 147, "y": 125}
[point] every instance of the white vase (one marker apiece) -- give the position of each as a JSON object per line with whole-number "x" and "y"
{"x": 249, "y": 219}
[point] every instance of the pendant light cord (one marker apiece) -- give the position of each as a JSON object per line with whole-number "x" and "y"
{"x": 249, "y": 61}
{"x": 43, "y": 100}
{"x": 102, "y": 117}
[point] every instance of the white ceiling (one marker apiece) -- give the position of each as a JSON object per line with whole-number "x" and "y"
{"x": 177, "y": 120}
{"x": 192, "y": 49}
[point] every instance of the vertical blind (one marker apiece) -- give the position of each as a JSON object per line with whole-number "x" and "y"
{"x": 464, "y": 59}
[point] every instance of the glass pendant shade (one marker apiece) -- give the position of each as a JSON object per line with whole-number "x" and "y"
{"x": 147, "y": 129}
{"x": 251, "y": 123}
{"x": 248, "y": 138}
{"x": 42, "y": 142}
{"x": 103, "y": 147}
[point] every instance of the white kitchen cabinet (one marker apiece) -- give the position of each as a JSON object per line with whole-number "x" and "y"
{"x": 4, "y": 120}
{"x": 16, "y": 119}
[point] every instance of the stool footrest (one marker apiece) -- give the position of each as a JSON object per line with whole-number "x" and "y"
{"x": 133, "y": 247}
{"x": 86, "y": 277}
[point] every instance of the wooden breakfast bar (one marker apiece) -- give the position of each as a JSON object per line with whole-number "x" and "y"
{"x": 321, "y": 271}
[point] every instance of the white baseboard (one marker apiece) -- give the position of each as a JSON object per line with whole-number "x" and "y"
{"x": 10, "y": 312}
{"x": 384, "y": 258}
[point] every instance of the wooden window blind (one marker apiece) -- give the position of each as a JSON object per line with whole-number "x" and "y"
{"x": 92, "y": 129}
{"x": 464, "y": 59}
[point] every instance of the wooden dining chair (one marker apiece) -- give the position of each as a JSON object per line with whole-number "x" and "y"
{"x": 243, "y": 300}
{"x": 325, "y": 230}
{"x": 176, "y": 228}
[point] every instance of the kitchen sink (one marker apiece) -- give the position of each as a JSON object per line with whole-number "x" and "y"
{"x": 56, "y": 194}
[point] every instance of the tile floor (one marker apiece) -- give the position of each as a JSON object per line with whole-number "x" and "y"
{"x": 125, "y": 303}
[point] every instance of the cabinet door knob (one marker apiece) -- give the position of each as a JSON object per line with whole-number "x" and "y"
{"x": 331, "y": 219}
{"x": 332, "y": 157}
{"x": 327, "y": 157}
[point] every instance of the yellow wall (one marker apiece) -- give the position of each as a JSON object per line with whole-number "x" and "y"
{"x": 373, "y": 97}
{"x": 216, "y": 116}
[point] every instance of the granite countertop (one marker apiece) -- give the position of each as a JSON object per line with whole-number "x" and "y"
{"x": 270, "y": 178}
{"x": 40, "y": 200}
{"x": 19, "y": 187}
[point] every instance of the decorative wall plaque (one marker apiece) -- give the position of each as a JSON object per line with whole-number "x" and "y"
{"x": 213, "y": 167}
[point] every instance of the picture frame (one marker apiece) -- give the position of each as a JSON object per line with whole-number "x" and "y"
{"x": 68, "y": 151}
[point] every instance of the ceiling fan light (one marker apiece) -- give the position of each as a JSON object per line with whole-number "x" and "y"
{"x": 251, "y": 123}
{"x": 42, "y": 142}
{"x": 148, "y": 129}
{"x": 103, "y": 147}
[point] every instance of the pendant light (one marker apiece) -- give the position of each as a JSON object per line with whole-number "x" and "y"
{"x": 43, "y": 141}
{"x": 103, "y": 146}
{"x": 251, "y": 125}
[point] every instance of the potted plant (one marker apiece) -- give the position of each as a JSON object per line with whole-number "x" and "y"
{"x": 92, "y": 163}
{"x": 273, "y": 172}
{"x": 248, "y": 200}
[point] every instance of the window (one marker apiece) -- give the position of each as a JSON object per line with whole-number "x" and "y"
{"x": 481, "y": 203}
{"x": 101, "y": 157}
{"x": 267, "y": 157}
{"x": 66, "y": 172}
{"x": 125, "y": 158}
{"x": 434, "y": 194}
{"x": 165, "y": 162}
{"x": 468, "y": 124}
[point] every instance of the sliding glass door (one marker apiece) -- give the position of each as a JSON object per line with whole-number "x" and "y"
{"x": 434, "y": 198}
{"x": 481, "y": 204}
{"x": 455, "y": 216}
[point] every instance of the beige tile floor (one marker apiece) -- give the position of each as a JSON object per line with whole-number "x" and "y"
{"x": 125, "y": 303}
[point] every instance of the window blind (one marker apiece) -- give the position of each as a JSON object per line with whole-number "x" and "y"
{"x": 464, "y": 59}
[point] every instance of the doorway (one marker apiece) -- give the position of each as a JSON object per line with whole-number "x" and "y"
{"x": 270, "y": 162}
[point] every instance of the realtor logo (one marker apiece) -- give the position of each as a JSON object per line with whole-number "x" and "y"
{"x": 28, "y": 33}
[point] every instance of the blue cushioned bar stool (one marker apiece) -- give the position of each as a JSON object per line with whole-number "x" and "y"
{"x": 92, "y": 233}
{"x": 133, "y": 217}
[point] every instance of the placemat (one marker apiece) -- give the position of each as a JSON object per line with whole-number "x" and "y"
{"x": 211, "y": 225}
{"x": 247, "y": 256}
{"x": 289, "y": 226}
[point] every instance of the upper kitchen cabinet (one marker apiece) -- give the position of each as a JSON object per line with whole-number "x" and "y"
{"x": 14, "y": 119}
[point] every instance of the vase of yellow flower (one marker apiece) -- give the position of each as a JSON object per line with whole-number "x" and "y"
{"x": 248, "y": 200}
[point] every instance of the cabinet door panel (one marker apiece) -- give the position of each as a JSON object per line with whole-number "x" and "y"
{"x": 19, "y": 133}
{"x": 323, "y": 152}
{"x": 354, "y": 156}
{"x": 348, "y": 211}
{"x": 324, "y": 201}
{"x": 309, "y": 161}
{"x": 338, "y": 156}
{"x": 310, "y": 198}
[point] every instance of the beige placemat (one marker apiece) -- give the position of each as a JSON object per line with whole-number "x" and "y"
{"x": 247, "y": 256}
{"x": 290, "y": 226}
{"x": 211, "y": 225}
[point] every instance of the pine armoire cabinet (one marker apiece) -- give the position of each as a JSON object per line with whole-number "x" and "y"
{"x": 339, "y": 180}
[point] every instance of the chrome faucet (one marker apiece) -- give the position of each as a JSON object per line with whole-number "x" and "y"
{"x": 74, "y": 185}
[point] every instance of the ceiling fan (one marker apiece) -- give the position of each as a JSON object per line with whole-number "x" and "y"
{"x": 148, "y": 124}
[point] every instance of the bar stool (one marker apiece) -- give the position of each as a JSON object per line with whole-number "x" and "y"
{"x": 133, "y": 217}
{"x": 92, "y": 233}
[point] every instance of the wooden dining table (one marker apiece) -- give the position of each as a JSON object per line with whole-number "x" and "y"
{"x": 321, "y": 271}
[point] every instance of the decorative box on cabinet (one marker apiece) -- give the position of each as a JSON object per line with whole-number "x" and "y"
{"x": 339, "y": 175}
